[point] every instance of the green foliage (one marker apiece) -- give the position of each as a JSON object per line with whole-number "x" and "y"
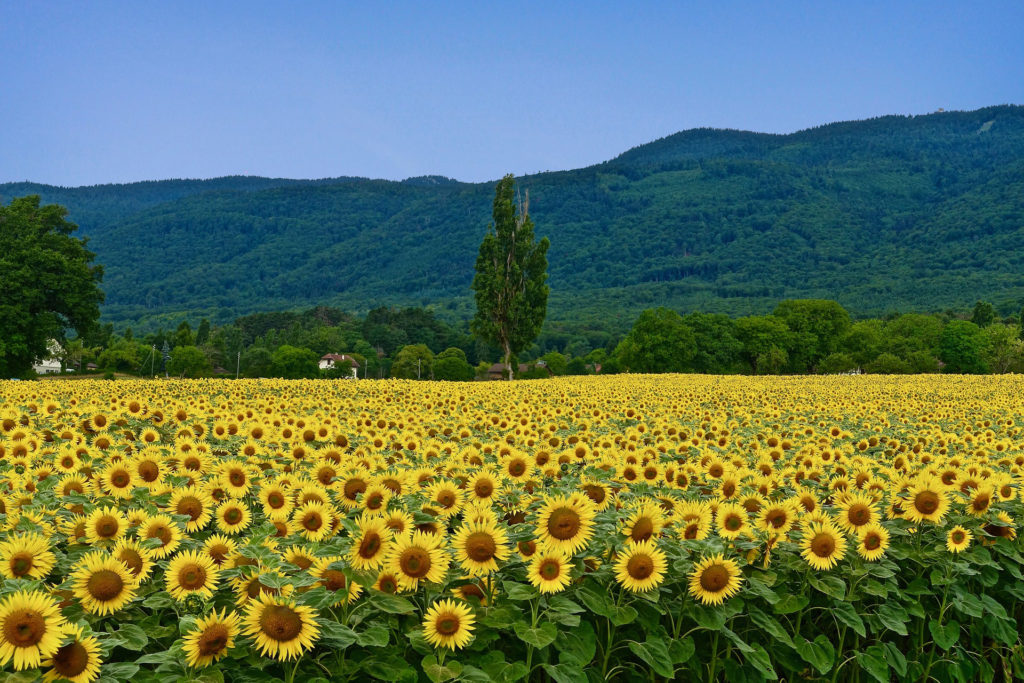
{"x": 511, "y": 274}
{"x": 257, "y": 362}
{"x": 289, "y": 362}
{"x": 816, "y": 325}
{"x": 984, "y": 314}
{"x": 556, "y": 362}
{"x": 189, "y": 361}
{"x": 962, "y": 347}
{"x": 659, "y": 342}
{"x": 451, "y": 365}
{"x": 413, "y": 362}
{"x": 764, "y": 340}
{"x": 47, "y": 283}
{"x": 837, "y": 363}
{"x": 888, "y": 364}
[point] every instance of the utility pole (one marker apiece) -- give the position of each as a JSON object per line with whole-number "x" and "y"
{"x": 238, "y": 363}
{"x": 152, "y": 362}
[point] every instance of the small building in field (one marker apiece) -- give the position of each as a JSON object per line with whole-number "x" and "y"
{"x": 50, "y": 365}
{"x": 329, "y": 360}
{"x": 500, "y": 370}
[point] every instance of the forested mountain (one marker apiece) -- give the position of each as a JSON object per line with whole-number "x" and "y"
{"x": 890, "y": 214}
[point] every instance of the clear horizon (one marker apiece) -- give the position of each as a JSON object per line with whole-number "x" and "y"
{"x": 110, "y": 93}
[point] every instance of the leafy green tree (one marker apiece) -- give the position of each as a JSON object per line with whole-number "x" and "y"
{"x": 48, "y": 285}
{"x": 1020, "y": 335}
{"x": 413, "y": 362}
{"x": 836, "y": 363}
{"x": 451, "y": 365}
{"x": 203, "y": 333}
{"x": 962, "y": 347}
{"x": 511, "y": 277}
{"x": 888, "y": 364}
{"x": 183, "y": 335}
{"x": 121, "y": 355}
{"x": 762, "y": 338}
{"x": 817, "y": 326}
{"x": 556, "y": 362}
{"x": 257, "y": 362}
{"x": 188, "y": 361}
{"x": 863, "y": 341}
{"x": 659, "y": 342}
{"x": 1004, "y": 352}
{"x": 290, "y": 362}
{"x": 922, "y": 362}
{"x": 984, "y": 314}
{"x": 717, "y": 350}
{"x": 576, "y": 366}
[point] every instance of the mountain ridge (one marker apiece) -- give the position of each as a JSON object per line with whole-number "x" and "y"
{"x": 716, "y": 219}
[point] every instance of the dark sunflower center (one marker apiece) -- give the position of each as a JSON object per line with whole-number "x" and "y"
{"x": 728, "y": 489}
{"x": 71, "y": 660}
{"x": 446, "y": 498}
{"x": 981, "y": 503}
{"x": 643, "y": 529}
{"x": 275, "y": 500}
{"x": 370, "y": 545}
{"x": 516, "y": 468}
{"x": 190, "y": 505}
{"x": 162, "y": 533}
{"x": 483, "y": 488}
{"x": 823, "y": 545}
{"x": 691, "y": 532}
{"x": 24, "y": 628}
{"x": 415, "y": 562}
{"x": 564, "y": 523}
{"x": 280, "y": 622}
{"x": 120, "y": 479}
{"x": 550, "y": 569}
{"x": 233, "y": 516}
{"x": 716, "y": 471}
{"x": 480, "y": 546}
{"x": 527, "y": 548}
{"x": 640, "y": 567}
{"x": 776, "y": 519}
{"x": 325, "y": 476}
{"x": 213, "y": 640}
{"x": 353, "y": 487}
{"x": 375, "y": 501}
{"x": 733, "y": 523}
{"x": 447, "y": 625}
{"x": 594, "y": 493}
{"x": 388, "y": 584}
{"x": 958, "y": 537}
{"x": 312, "y": 521}
{"x": 714, "y": 578}
{"x": 105, "y": 585}
{"x": 21, "y": 564}
{"x": 926, "y": 502}
{"x": 872, "y": 542}
{"x": 334, "y": 580}
{"x": 859, "y": 514}
{"x": 131, "y": 559}
{"x": 192, "y": 577}
{"x": 149, "y": 471}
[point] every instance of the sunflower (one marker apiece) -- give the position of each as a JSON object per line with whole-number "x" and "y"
{"x": 479, "y": 545}
{"x": 370, "y": 545}
{"x": 313, "y": 520}
{"x": 640, "y": 566}
{"x": 958, "y": 539}
{"x": 731, "y": 520}
{"x": 236, "y": 479}
{"x": 105, "y": 524}
{"x": 132, "y": 555}
{"x": 823, "y": 545}
{"x": 928, "y": 501}
{"x": 31, "y": 628}
{"x": 387, "y": 582}
{"x": 249, "y": 586}
{"x": 191, "y": 572}
{"x": 334, "y": 579}
{"x": 644, "y": 523}
{"x": 420, "y": 557}
{"x": 777, "y": 518}
{"x": 211, "y": 638}
{"x": 194, "y": 503}
{"x": 78, "y": 661}
{"x": 449, "y": 624}
{"x": 400, "y": 522}
{"x": 26, "y": 556}
{"x": 471, "y": 591}
{"x": 566, "y": 523}
{"x": 277, "y": 504}
{"x": 980, "y": 500}
{"x": 447, "y": 497}
{"x": 872, "y": 541}
{"x": 550, "y": 570}
{"x": 103, "y": 584}
{"x": 714, "y": 580}
{"x": 280, "y": 628}
{"x": 857, "y": 511}
{"x": 219, "y": 548}
{"x": 597, "y": 492}
{"x": 117, "y": 480}
{"x": 233, "y": 517}
{"x": 483, "y": 485}
{"x": 162, "y": 528}
{"x": 376, "y": 497}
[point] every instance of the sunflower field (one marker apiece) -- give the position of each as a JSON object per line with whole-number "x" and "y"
{"x": 632, "y": 528}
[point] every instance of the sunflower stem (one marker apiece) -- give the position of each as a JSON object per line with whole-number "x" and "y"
{"x": 714, "y": 658}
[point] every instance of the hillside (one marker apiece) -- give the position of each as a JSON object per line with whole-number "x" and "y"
{"x": 889, "y": 214}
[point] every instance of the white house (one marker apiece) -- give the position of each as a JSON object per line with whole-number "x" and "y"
{"x": 50, "y": 365}
{"x": 329, "y": 360}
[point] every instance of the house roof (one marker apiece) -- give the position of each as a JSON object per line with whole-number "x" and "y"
{"x": 340, "y": 358}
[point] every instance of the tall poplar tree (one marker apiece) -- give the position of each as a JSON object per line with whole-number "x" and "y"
{"x": 511, "y": 276}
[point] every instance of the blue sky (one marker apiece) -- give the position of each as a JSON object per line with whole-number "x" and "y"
{"x": 98, "y": 92}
